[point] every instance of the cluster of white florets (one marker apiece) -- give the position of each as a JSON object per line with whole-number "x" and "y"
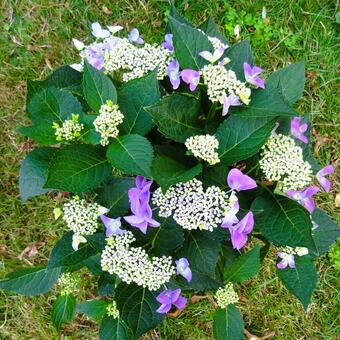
{"x": 132, "y": 264}
{"x": 112, "y": 310}
{"x": 221, "y": 82}
{"x": 203, "y": 147}
{"x": 131, "y": 61}
{"x": 282, "y": 161}
{"x": 70, "y": 130}
{"x": 107, "y": 121}
{"x": 81, "y": 217}
{"x": 191, "y": 206}
{"x": 300, "y": 251}
{"x": 217, "y": 43}
{"x": 226, "y": 295}
{"x": 68, "y": 283}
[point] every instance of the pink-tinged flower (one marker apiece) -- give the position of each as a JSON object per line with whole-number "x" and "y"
{"x": 238, "y": 181}
{"x": 191, "y": 77}
{"x": 135, "y": 37}
{"x": 168, "y": 44}
{"x": 230, "y": 217}
{"x": 170, "y": 297}
{"x": 112, "y": 226}
{"x": 320, "y": 176}
{"x": 227, "y": 101}
{"x": 240, "y": 231}
{"x": 182, "y": 268}
{"x": 287, "y": 260}
{"x": 173, "y": 73}
{"x": 140, "y": 193}
{"x": 212, "y": 57}
{"x": 251, "y": 75}
{"x": 98, "y": 32}
{"x": 297, "y": 129}
{"x": 304, "y": 197}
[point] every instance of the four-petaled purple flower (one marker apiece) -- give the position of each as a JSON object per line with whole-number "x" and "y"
{"x": 112, "y": 226}
{"x": 170, "y": 297}
{"x": 98, "y": 32}
{"x": 238, "y": 181}
{"x": 95, "y": 56}
{"x": 304, "y": 197}
{"x": 168, "y": 44}
{"x": 287, "y": 260}
{"x": 227, "y": 101}
{"x": 297, "y": 129}
{"x": 140, "y": 193}
{"x": 173, "y": 72}
{"x": 135, "y": 37}
{"x": 230, "y": 217}
{"x": 251, "y": 75}
{"x": 320, "y": 176}
{"x": 240, "y": 231}
{"x": 191, "y": 77}
{"x": 182, "y": 268}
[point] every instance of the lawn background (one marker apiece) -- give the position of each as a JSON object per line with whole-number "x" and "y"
{"x": 35, "y": 37}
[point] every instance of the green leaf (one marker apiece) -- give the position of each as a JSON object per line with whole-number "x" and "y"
{"x": 93, "y": 308}
{"x": 176, "y": 117}
{"x": 242, "y": 137}
{"x": 133, "y": 97}
{"x": 114, "y": 195}
{"x": 52, "y": 105}
{"x": 215, "y": 175}
{"x": 131, "y": 154}
{"x": 97, "y": 87}
{"x": 31, "y": 281}
{"x": 210, "y": 28}
{"x": 63, "y": 310}
{"x": 114, "y": 329}
{"x": 42, "y": 133}
{"x": 33, "y": 172}
{"x": 199, "y": 282}
{"x": 93, "y": 264}
{"x": 188, "y": 42}
{"x": 167, "y": 172}
{"x": 137, "y": 306}
{"x": 245, "y": 266}
{"x": 301, "y": 280}
{"x": 107, "y": 284}
{"x": 175, "y": 14}
{"x": 283, "y": 221}
{"x": 78, "y": 168}
{"x": 326, "y": 231}
{"x": 228, "y": 324}
{"x": 290, "y": 80}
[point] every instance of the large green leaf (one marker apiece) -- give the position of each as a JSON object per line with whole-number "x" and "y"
{"x": 137, "y": 306}
{"x": 93, "y": 308}
{"x": 176, "y": 116}
{"x": 52, "y": 105}
{"x": 290, "y": 80}
{"x": 245, "y": 266}
{"x": 242, "y": 137}
{"x": 210, "y": 28}
{"x": 325, "y": 231}
{"x": 167, "y": 172}
{"x": 133, "y": 97}
{"x": 283, "y": 221}
{"x": 114, "y": 195}
{"x": 107, "y": 284}
{"x": 131, "y": 154}
{"x": 63, "y": 310}
{"x": 301, "y": 280}
{"x": 175, "y": 14}
{"x": 215, "y": 175}
{"x": 31, "y": 281}
{"x": 34, "y": 171}
{"x": 199, "y": 282}
{"x": 97, "y": 87}
{"x": 42, "y": 133}
{"x": 188, "y": 42}
{"x": 114, "y": 329}
{"x": 78, "y": 168}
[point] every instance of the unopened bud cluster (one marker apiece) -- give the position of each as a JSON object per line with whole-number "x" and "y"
{"x": 70, "y": 130}
{"x": 300, "y": 251}
{"x": 112, "y": 310}
{"x": 282, "y": 161}
{"x": 68, "y": 283}
{"x": 132, "y": 264}
{"x": 203, "y": 147}
{"x": 192, "y": 207}
{"x": 226, "y": 295}
{"x": 217, "y": 43}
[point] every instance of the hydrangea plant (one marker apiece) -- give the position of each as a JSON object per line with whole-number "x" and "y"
{"x": 180, "y": 165}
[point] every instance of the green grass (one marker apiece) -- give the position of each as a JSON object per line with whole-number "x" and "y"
{"x": 35, "y": 36}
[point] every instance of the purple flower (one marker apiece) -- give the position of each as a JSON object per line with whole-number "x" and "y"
{"x": 95, "y": 56}
{"x": 304, "y": 197}
{"x": 230, "y": 217}
{"x": 297, "y": 129}
{"x": 287, "y": 260}
{"x": 168, "y": 44}
{"x": 135, "y": 37}
{"x": 182, "y": 268}
{"x": 170, "y": 297}
{"x": 320, "y": 176}
{"x": 212, "y": 57}
{"x": 239, "y": 232}
{"x": 238, "y": 181}
{"x": 112, "y": 226}
{"x": 140, "y": 193}
{"x": 98, "y": 32}
{"x": 227, "y": 101}
{"x": 251, "y": 75}
{"x": 173, "y": 72}
{"x": 191, "y": 77}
